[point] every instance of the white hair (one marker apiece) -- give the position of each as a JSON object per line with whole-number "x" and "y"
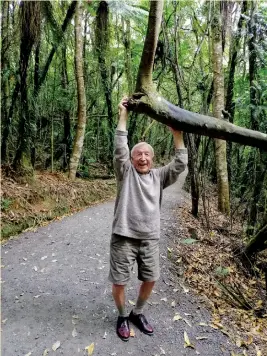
{"x": 142, "y": 144}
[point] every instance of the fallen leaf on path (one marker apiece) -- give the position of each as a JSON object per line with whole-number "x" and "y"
{"x": 203, "y": 324}
{"x": 258, "y": 351}
{"x": 131, "y": 302}
{"x": 173, "y": 303}
{"x": 28, "y": 354}
{"x": 105, "y": 335}
{"x": 132, "y": 333}
{"x": 177, "y": 316}
{"x": 74, "y": 333}
{"x": 186, "y": 290}
{"x": 162, "y": 351}
{"x": 35, "y": 268}
{"x": 43, "y": 258}
{"x": 187, "y": 322}
{"x": 90, "y": 349}
{"x": 45, "y": 352}
{"x": 164, "y": 299}
{"x": 187, "y": 341}
{"x": 56, "y": 346}
{"x": 4, "y": 321}
{"x": 201, "y": 337}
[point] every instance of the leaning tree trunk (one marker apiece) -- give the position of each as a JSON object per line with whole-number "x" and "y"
{"x": 146, "y": 100}
{"x": 218, "y": 106}
{"x": 257, "y": 243}
{"x": 30, "y": 28}
{"x": 79, "y": 137}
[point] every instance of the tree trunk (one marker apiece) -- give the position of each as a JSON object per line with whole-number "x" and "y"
{"x": 66, "y": 114}
{"x": 146, "y": 100}
{"x": 260, "y": 166}
{"x": 4, "y": 79}
{"x": 79, "y": 137}
{"x": 144, "y": 77}
{"x": 229, "y": 102}
{"x": 160, "y": 109}
{"x": 102, "y": 46}
{"x": 218, "y": 106}
{"x": 30, "y": 27}
{"x": 127, "y": 55}
{"x": 257, "y": 243}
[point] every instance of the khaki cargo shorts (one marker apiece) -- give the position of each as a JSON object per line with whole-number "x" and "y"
{"x": 124, "y": 251}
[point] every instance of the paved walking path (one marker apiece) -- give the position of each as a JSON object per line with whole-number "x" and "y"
{"x": 54, "y": 288}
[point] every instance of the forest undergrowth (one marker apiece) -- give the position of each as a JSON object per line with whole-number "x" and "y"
{"x": 206, "y": 259}
{"x": 32, "y": 202}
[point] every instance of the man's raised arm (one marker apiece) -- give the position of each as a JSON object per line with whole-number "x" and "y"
{"x": 170, "y": 173}
{"x": 121, "y": 149}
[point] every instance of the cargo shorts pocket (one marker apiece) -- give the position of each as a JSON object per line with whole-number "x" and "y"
{"x": 148, "y": 261}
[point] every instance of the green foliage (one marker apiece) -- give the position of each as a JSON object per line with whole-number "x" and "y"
{"x": 222, "y": 271}
{"x": 189, "y": 241}
{"x": 5, "y": 204}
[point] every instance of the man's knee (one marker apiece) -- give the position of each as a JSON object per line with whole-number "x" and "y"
{"x": 118, "y": 286}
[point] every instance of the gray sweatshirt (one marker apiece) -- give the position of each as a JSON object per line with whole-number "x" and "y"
{"x": 139, "y": 196}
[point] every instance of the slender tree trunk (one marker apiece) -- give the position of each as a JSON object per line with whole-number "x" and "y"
{"x": 218, "y": 106}
{"x": 128, "y": 55}
{"x": 102, "y": 47}
{"x": 4, "y": 80}
{"x": 66, "y": 114}
{"x": 255, "y": 117}
{"x": 79, "y": 137}
{"x": 229, "y": 102}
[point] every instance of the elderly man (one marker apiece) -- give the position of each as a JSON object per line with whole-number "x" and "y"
{"x": 136, "y": 224}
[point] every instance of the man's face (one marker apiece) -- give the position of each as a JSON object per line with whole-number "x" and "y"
{"x": 142, "y": 159}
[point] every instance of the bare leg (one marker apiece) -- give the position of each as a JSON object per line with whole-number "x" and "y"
{"x": 144, "y": 293}
{"x": 118, "y": 292}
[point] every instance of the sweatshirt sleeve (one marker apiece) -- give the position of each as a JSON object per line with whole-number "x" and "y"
{"x": 170, "y": 173}
{"x": 121, "y": 158}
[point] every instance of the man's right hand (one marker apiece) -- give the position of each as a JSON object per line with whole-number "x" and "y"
{"x": 123, "y": 114}
{"x": 123, "y": 106}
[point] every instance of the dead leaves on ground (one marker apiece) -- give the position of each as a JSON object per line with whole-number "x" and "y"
{"x": 208, "y": 264}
